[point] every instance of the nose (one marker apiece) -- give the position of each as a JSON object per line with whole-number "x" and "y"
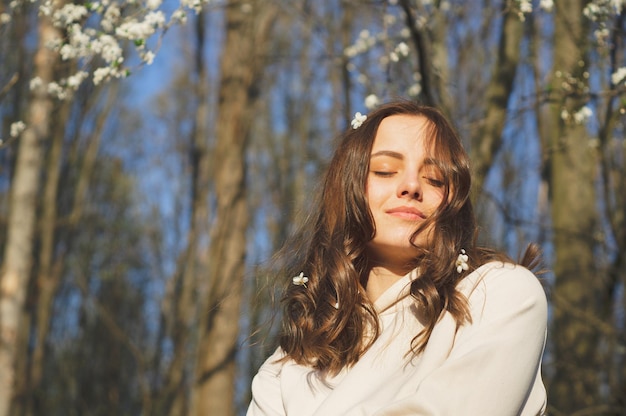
{"x": 409, "y": 186}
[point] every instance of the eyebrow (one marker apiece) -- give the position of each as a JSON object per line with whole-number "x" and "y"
{"x": 389, "y": 153}
{"x": 427, "y": 161}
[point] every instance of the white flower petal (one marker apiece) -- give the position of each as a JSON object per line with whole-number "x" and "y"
{"x": 358, "y": 120}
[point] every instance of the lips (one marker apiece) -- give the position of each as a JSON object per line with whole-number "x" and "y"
{"x": 408, "y": 213}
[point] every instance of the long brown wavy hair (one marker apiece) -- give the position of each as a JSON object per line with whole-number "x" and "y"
{"x": 329, "y": 323}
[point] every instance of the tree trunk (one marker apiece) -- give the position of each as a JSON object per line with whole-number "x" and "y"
{"x": 247, "y": 29}
{"x": 572, "y": 174}
{"x": 486, "y": 143}
{"x": 55, "y": 232}
{"x": 187, "y": 286}
{"x": 429, "y": 43}
{"x": 38, "y": 315}
{"x": 18, "y": 252}
{"x": 613, "y": 189}
{"x": 345, "y": 38}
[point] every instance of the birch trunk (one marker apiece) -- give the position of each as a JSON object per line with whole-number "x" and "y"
{"x": 18, "y": 252}
{"x": 54, "y": 230}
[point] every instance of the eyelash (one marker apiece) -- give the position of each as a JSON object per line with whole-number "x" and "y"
{"x": 384, "y": 174}
{"x": 435, "y": 182}
{"x": 432, "y": 181}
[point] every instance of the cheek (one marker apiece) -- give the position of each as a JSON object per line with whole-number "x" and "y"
{"x": 437, "y": 195}
{"x": 435, "y": 198}
{"x": 374, "y": 194}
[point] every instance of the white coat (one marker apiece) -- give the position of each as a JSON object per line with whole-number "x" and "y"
{"x": 490, "y": 367}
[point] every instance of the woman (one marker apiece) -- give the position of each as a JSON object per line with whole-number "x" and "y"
{"x": 397, "y": 311}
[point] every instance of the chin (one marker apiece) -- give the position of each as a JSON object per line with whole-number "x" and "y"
{"x": 393, "y": 252}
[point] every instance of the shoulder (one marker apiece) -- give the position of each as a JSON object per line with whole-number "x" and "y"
{"x": 502, "y": 286}
{"x": 496, "y": 276}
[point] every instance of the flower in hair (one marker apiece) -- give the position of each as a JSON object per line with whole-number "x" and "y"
{"x": 461, "y": 262}
{"x": 300, "y": 280}
{"x": 358, "y": 120}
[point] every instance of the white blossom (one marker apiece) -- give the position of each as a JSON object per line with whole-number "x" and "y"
{"x": 179, "y": 16}
{"x": 111, "y": 18}
{"x": 75, "y": 80}
{"x": 602, "y": 35}
{"x": 136, "y": 30}
{"x": 56, "y": 90}
{"x": 617, "y": 5}
{"x": 591, "y": 11}
{"x": 106, "y": 73}
{"x": 81, "y": 38}
{"x": 350, "y": 52}
{"x": 371, "y": 101}
{"x": 45, "y": 9}
{"x": 582, "y": 115}
{"x": 148, "y": 57}
{"x": 196, "y": 5}
{"x": 108, "y": 47}
{"x": 619, "y": 75}
{"x": 35, "y": 83}
{"x": 525, "y": 6}
{"x": 415, "y": 89}
{"x": 358, "y": 120}
{"x": 97, "y": 29}
{"x": 364, "y": 42}
{"x": 68, "y": 14}
{"x": 156, "y": 19}
{"x": 402, "y": 49}
{"x": 546, "y": 5}
{"x": 461, "y": 262}
{"x": 67, "y": 52}
{"x": 101, "y": 74}
{"x": 300, "y": 280}
{"x": 17, "y": 128}
{"x": 96, "y": 6}
{"x": 390, "y": 19}
{"x": 153, "y": 4}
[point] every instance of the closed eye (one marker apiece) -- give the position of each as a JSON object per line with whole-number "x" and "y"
{"x": 383, "y": 174}
{"x": 435, "y": 182}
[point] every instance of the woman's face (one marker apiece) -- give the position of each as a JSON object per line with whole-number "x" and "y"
{"x": 404, "y": 187}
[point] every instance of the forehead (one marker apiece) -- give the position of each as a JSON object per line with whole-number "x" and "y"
{"x": 402, "y": 132}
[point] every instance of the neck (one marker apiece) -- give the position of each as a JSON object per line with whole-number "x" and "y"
{"x": 382, "y": 277}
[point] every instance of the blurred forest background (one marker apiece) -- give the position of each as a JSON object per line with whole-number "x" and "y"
{"x": 140, "y": 199}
